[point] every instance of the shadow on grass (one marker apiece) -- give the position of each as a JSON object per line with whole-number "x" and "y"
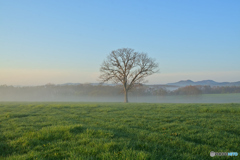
{"x": 5, "y": 148}
{"x": 195, "y": 141}
{"x": 77, "y": 130}
{"x": 17, "y": 115}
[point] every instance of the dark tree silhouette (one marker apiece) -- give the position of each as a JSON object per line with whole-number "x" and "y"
{"x": 127, "y": 67}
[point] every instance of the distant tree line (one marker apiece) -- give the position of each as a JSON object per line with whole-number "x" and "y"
{"x": 196, "y": 90}
{"x": 51, "y": 91}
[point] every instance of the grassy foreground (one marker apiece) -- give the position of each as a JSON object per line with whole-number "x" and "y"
{"x": 118, "y": 131}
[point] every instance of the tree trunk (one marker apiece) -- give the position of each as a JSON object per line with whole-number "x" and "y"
{"x": 126, "y": 96}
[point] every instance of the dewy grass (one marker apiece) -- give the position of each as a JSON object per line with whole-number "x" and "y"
{"x": 117, "y": 130}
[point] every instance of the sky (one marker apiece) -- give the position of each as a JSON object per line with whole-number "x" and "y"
{"x": 49, "y": 41}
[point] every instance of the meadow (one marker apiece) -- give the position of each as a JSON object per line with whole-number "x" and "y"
{"x": 47, "y": 130}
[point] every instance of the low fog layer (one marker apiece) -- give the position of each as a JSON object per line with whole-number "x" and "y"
{"x": 148, "y": 94}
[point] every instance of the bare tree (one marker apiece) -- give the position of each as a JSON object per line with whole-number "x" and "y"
{"x": 127, "y": 67}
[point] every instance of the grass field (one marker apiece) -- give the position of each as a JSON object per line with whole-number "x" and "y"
{"x": 118, "y": 130}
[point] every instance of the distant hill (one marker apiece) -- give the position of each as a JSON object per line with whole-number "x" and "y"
{"x": 175, "y": 85}
{"x": 204, "y": 83}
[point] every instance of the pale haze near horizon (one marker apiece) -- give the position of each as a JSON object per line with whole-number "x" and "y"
{"x": 66, "y": 41}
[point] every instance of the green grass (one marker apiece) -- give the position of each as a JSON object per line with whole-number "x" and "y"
{"x": 118, "y": 131}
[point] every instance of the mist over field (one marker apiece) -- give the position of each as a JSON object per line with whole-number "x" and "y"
{"x": 91, "y": 93}
{"x": 226, "y": 98}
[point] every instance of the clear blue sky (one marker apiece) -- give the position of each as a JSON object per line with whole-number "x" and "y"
{"x": 61, "y": 41}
